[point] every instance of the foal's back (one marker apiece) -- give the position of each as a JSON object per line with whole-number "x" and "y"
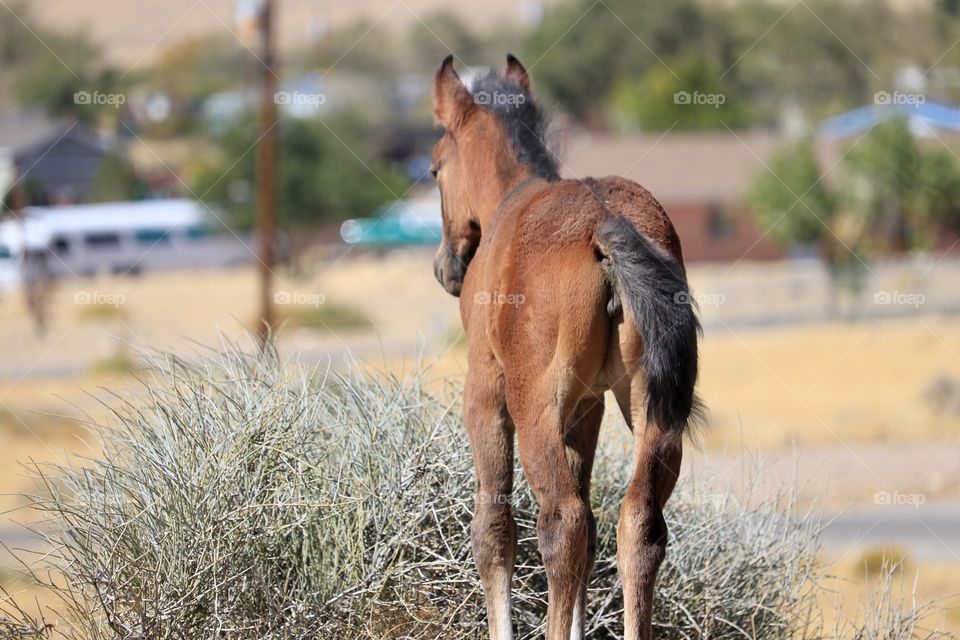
{"x": 545, "y": 300}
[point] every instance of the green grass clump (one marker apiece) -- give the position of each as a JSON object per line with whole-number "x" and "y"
{"x": 334, "y": 316}
{"x": 101, "y": 312}
{"x": 120, "y": 363}
{"x": 328, "y": 316}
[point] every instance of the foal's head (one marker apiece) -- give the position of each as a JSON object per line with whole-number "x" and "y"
{"x": 493, "y": 139}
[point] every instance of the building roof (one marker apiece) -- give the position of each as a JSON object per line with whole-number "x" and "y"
{"x": 921, "y": 115}
{"x": 23, "y": 131}
{"x": 675, "y": 167}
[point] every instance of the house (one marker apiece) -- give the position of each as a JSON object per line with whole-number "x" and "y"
{"x": 55, "y": 161}
{"x": 700, "y": 178}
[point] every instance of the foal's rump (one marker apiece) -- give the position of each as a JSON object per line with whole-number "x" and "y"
{"x": 652, "y": 287}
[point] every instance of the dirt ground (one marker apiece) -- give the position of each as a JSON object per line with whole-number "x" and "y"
{"x": 843, "y": 409}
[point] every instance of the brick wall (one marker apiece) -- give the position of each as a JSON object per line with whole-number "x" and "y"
{"x": 719, "y": 233}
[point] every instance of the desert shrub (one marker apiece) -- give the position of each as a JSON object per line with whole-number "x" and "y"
{"x": 241, "y": 497}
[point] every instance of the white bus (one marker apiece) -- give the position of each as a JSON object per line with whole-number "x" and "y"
{"x": 115, "y": 237}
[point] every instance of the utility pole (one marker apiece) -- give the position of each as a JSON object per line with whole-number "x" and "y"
{"x": 266, "y": 167}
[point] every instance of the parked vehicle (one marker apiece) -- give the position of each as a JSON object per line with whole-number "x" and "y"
{"x": 116, "y": 237}
{"x": 415, "y": 221}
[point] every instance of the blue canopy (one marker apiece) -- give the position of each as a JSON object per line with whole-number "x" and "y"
{"x": 931, "y": 114}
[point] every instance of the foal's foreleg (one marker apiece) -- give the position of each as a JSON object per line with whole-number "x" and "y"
{"x": 642, "y": 530}
{"x": 493, "y": 530}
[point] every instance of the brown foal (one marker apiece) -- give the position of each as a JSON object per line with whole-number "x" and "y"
{"x": 568, "y": 288}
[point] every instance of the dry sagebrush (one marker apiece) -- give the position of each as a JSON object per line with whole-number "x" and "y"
{"x": 241, "y": 498}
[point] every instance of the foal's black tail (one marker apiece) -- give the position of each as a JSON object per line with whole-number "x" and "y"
{"x": 653, "y": 289}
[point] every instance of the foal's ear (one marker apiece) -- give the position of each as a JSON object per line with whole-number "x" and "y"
{"x": 450, "y": 98}
{"x": 516, "y": 73}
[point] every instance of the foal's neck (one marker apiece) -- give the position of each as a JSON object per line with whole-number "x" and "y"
{"x": 506, "y": 181}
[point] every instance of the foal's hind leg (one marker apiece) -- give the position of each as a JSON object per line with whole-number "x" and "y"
{"x": 580, "y": 438}
{"x": 562, "y": 523}
{"x": 642, "y": 530}
{"x": 493, "y": 530}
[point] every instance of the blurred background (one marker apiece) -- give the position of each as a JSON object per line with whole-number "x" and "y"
{"x": 173, "y": 173}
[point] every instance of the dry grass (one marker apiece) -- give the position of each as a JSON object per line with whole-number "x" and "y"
{"x": 266, "y": 501}
{"x": 848, "y": 596}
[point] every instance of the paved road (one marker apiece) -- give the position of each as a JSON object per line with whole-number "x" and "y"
{"x": 876, "y": 494}
{"x": 929, "y": 531}
{"x": 16, "y": 539}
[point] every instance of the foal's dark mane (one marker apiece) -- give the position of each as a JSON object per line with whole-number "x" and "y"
{"x": 524, "y": 121}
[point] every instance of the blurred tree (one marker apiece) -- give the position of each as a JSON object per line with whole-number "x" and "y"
{"x": 442, "y": 33}
{"x": 893, "y": 195}
{"x": 883, "y": 183}
{"x": 819, "y": 56}
{"x": 362, "y": 46}
{"x": 323, "y": 175}
{"x": 582, "y": 49}
{"x": 790, "y": 200}
{"x": 46, "y": 80}
{"x": 796, "y": 208}
{"x": 904, "y": 194}
{"x": 116, "y": 180}
{"x": 200, "y": 66}
{"x": 683, "y": 93}
{"x": 191, "y": 70}
{"x": 49, "y": 68}
{"x": 949, "y": 7}
{"x": 939, "y": 191}
{"x": 576, "y": 50}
